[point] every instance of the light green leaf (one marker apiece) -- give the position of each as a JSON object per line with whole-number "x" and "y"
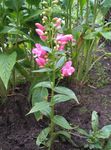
{"x": 95, "y": 121}
{"x": 45, "y": 84}
{"x": 106, "y": 35}
{"x": 61, "y": 98}
{"x": 42, "y": 136}
{"x": 47, "y": 49}
{"x": 43, "y": 70}
{"x": 105, "y": 132}
{"x": 61, "y": 62}
{"x": 62, "y": 122}
{"x": 39, "y": 95}
{"x": 43, "y": 107}
{"x": 7, "y": 63}
{"x": 66, "y": 91}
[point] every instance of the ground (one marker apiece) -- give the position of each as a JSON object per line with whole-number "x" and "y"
{"x": 19, "y": 132}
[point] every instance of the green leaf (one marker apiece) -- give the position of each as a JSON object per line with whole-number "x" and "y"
{"x": 62, "y": 122}
{"x": 14, "y": 4}
{"x": 14, "y": 31}
{"x": 61, "y": 98}
{"x": 105, "y": 132}
{"x": 7, "y": 63}
{"x": 95, "y": 121}
{"x": 61, "y": 62}
{"x": 43, "y": 107}
{"x": 45, "y": 84}
{"x": 47, "y": 49}
{"x": 82, "y": 131}
{"x": 66, "y": 91}
{"x": 106, "y": 35}
{"x": 65, "y": 134}
{"x": 43, "y": 70}
{"x": 39, "y": 95}
{"x": 42, "y": 136}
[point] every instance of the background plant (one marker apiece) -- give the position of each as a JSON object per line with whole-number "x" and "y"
{"x": 97, "y": 138}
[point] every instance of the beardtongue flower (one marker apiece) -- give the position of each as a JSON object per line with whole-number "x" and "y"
{"x": 61, "y": 47}
{"x": 41, "y": 62}
{"x": 64, "y": 39}
{"x": 39, "y": 26}
{"x": 39, "y": 51}
{"x": 67, "y": 69}
{"x": 58, "y": 22}
{"x": 41, "y": 34}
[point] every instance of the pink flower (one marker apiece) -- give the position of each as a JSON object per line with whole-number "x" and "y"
{"x": 43, "y": 37}
{"x": 41, "y": 62}
{"x": 61, "y": 47}
{"x": 39, "y": 26}
{"x": 58, "y": 22}
{"x": 67, "y": 69}
{"x": 64, "y": 39}
{"x": 39, "y": 32}
{"x": 39, "y": 51}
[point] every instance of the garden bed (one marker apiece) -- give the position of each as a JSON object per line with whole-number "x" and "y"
{"x": 19, "y": 132}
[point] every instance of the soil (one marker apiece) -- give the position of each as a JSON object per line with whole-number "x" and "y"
{"x": 19, "y": 132}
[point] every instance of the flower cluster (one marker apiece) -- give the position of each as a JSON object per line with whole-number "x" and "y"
{"x": 40, "y": 55}
{"x": 60, "y": 40}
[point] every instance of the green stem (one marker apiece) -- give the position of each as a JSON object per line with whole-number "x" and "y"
{"x": 87, "y": 11}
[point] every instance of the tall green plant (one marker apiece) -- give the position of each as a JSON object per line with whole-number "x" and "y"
{"x": 51, "y": 59}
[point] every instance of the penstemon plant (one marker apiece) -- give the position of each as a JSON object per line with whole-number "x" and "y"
{"x": 52, "y": 60}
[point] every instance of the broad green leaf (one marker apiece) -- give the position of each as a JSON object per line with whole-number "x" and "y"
{"x": 42, "y": 136}
{"x": 45, "y": 84}
{"x": 106, "y": 35}
{"x": 7, "y": 63}
{"x": 105, "y": 132}
{"x": 61, "y": 62}
{"x": 42, "y": 107}
{"x": 95, "y": 121}
{"x": 62, "y": 122}
{"x": 39, "y": 95}
{"x": 61, "y": 98}
{"x": 66, "y": 91}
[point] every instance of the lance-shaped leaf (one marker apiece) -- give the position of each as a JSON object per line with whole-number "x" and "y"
{"x": 45, "y": 84}
{"x": 7, "y": 63}
{"x": 42, "y": 136}
{"x": 66, "y": 91}
{"x": 42, "y": 107}
{"x": 62, "y": 122}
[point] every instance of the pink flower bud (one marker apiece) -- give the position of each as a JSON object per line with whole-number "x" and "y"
{"x": 39, "y": 32}
{"x": 67, "y": 69}
{"x": 39, "y": 26}
{"x": 41, "y": 62}
{"x": 43, "y": 37}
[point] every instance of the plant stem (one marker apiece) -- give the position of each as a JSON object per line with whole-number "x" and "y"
{"x": 52, "y": 111}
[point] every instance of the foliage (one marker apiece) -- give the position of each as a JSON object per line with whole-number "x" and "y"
{"x": 97, "y": 138}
